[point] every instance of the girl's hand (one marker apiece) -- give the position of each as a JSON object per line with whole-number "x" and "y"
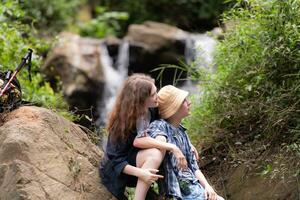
{"x": 181, "y": 160}
{"x": 210, "y": 194}
{"x": 149, "y": 176}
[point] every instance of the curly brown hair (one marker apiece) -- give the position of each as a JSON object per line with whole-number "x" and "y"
{"x": 129, "y": 105}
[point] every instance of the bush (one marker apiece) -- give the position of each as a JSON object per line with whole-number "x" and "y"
{"x": 104, "y": 24}
{"x": 186, "y": 14}
{"x": 50, "y": 15}
{"x": 256, "y": 88}
{"x": 15, "y": 39}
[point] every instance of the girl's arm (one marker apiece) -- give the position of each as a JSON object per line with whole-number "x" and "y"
{"x": 160, "y": 142}
{"x": 146, "y": 175}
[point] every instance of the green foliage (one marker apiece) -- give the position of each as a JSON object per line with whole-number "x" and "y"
{"x": 185, "y": 14}
{"x": 50, "y": 15}
{"x": 42, "y": 93}
{"x": 106, "y": 23}
{"x": 268, "y": 169}
{"x": 256, "y": 88}
{"x": 10, "y": 10}
{"x": 15, "y": 39}
{"x": 178, "y": 72}
{"x": 294, "y": 148}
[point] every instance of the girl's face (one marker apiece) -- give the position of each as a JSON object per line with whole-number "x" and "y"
{"x": 151, "y": 101}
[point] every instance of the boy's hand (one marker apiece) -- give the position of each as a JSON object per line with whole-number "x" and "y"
{"x": 181, "y": 160}
{"x": 210, "y": 194}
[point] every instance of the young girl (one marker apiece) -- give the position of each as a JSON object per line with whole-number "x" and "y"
{"x": 123, "y": 164}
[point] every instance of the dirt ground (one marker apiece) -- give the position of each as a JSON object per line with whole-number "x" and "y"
{"x": 253, "y": 171}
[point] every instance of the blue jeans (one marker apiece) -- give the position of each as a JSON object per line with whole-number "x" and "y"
{"x": 197, "y": 193}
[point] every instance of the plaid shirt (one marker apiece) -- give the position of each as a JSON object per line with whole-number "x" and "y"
{"x": 179, "y": 137}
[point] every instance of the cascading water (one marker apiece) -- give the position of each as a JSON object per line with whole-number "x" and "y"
{"x": 199, "y": 49}
{"x": 114, "y": 78}
{"x": 204, "y": 46}
{"x": 123, "y": 59}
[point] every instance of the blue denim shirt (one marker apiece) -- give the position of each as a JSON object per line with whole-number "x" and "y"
{"x": 179, "y": 137}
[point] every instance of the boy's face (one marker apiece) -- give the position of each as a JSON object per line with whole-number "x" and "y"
{"x": 151, "y": 101}
{"x": 184, "y": 109}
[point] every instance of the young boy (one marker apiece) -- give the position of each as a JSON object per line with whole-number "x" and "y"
{"x": 179, "y": 182}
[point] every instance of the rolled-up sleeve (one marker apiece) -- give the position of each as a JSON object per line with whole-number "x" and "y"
{"x": 157, "y": 128}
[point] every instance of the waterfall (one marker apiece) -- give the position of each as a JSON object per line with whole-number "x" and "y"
{"x": 114, "y": 78}
{"x": 189, "y": 51}
{"x": 204, "y": 46}
{"x": 199, "y": 49}
{"x": 123, "y": 59}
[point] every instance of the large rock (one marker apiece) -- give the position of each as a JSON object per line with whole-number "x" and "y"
{"x": 154, "y": 35}
{"x": 153, "y": 44}
{"x": 44, "y": 156}
{"x": 76, "y": 61}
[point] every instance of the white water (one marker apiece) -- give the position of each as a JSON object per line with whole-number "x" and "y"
{"x": 113, "y": 78}
{"x": 199, "y": 51}
{"x": 204, "y": 48}
{"x": 123, "y": 59}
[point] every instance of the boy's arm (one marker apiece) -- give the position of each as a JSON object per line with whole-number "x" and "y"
{"x": 160, "y": 142}
{"x": 210, "y": 194}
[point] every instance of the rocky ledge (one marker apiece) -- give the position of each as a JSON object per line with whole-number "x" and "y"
{"x": 45, "y": 156}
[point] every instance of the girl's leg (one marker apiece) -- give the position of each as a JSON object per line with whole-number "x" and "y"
{"x": 147, "y": 159}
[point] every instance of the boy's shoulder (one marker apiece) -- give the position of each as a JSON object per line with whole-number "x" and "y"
{"x": 160, "y": 125}
{"x": 164, "y": 123}
{"x": 159, "y": 122}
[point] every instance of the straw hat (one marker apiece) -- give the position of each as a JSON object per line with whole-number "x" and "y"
{"x": 170, "y": 99}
